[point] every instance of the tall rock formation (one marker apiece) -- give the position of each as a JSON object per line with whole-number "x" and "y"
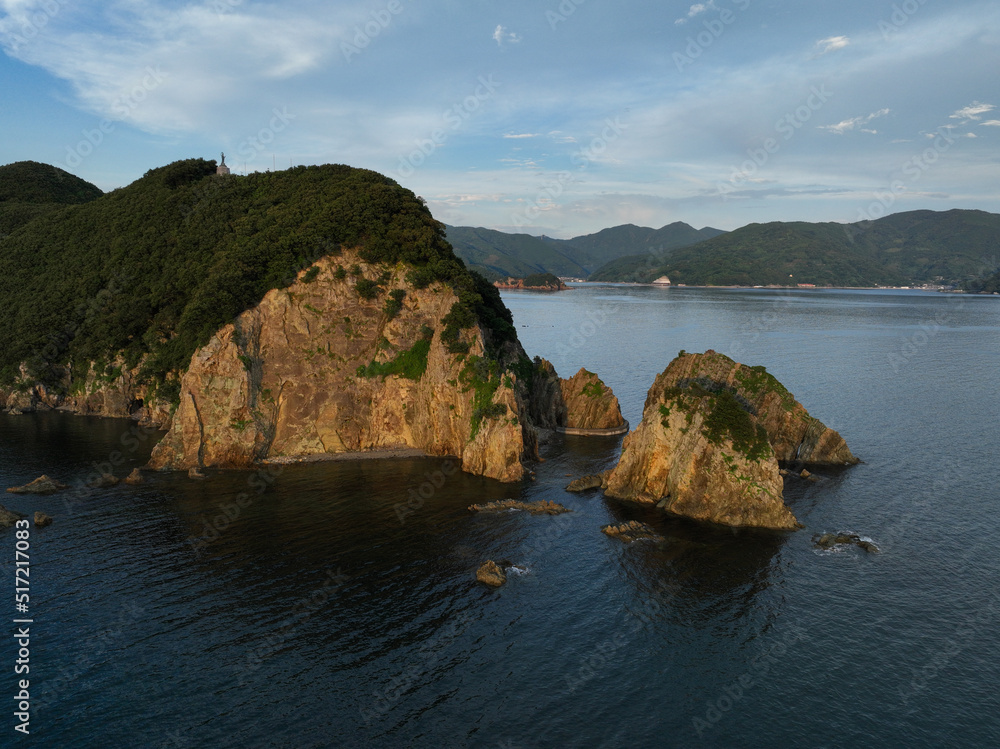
{"x": 318, "y": 369}
{"x": 794, "y": 435}
{"x": 708, "y": 445}
{"x": 272, "y": 316}
{"x": 590, "y": 404}
{"x": 582, "y": 403}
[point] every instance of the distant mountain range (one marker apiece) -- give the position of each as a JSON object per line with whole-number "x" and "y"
{"x": 903, "y": 249}
{"x": 498, "y": 255}
{"x": 957, "y": 247}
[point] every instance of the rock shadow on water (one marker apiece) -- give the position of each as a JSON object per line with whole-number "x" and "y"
{"x": 694, "y": 568}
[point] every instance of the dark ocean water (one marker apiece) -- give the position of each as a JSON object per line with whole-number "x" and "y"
{"x": 325, "y": 615}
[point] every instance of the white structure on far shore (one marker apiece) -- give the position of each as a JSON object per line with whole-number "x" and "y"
{"x": 661, "y": 281}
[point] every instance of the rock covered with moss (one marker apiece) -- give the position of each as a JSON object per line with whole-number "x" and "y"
{"x": 711, "y": 436}
{"x": 699, "y": 454}
{"x": 794, "y": 435}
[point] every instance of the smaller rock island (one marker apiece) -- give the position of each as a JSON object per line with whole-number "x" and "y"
{"x": 534, "y": 282}
{"x": 712, "y": 435}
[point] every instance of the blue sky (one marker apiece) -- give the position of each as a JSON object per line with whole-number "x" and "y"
{"x": 559, "y": 117}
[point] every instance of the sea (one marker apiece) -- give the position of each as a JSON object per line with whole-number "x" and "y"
{"x": 335, "y": 604}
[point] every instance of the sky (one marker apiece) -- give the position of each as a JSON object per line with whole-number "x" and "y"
{"x": 557, "y": 117}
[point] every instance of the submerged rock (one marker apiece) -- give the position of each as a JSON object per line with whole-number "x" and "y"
{"x": 195, "y": 473}
{"x": 42, "y": 520}
{"x": 8, "y": 517}
{"x": 830, "y": 540}
{"x": 632, "y": 530}
{"x": 491, "y": 574}
{"x": 42, "y": 485}
{"x": 542, "y": 507}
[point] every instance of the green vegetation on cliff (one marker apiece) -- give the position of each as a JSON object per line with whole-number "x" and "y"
{"x": 725, "y": 416}
{"x": 151, "y": 270}
{"x": 903, "y": 249}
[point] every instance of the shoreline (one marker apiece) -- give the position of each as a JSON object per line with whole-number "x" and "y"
{"x": 788, "y": 288}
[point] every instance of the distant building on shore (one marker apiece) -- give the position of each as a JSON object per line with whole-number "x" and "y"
{"x": 661, "y": 281}
{"x": 222, "y": 168}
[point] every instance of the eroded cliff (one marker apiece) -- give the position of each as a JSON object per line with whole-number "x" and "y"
{"x": 274, "y": 316}
{"x": 582, "y": 403}
{"x": 318, "y": 369}
{"x": 711, "y": 436}
{"x": 794, "y": 435}
{"x": 698, "y": 454}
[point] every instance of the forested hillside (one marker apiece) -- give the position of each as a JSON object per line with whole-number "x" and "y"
{"x": 916, "y": 247}
{"x": 151, "y": 270}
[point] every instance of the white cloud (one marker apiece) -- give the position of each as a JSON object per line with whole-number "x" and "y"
{"x": 991, "y": 123}
{"x": 972, "y": 111}
{"x": 521, "y": 135}
{"x": 501, "y": 36}
{"x": 203, "y": 63}
{"x": 831, "y": 44}
{"x": 695, "y": 10}
{"x": 855, "y": 122}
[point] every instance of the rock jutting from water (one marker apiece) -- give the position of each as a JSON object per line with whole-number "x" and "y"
{"x": 42, "y": 485}
{"x": 491, "y": 574}
{"x": 632, "y": 530}
{"x": 541, "y": 507}
{"x": 584, "y": 483}
{"x": 708, "y": 445}
{"x": 830, "y": 540}
{"x": 581, "y": 405}
{"x": 794, "y": 435}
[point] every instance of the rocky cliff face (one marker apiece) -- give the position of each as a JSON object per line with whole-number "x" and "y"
{"x": 698, "y": 454}
{"x": 317, "y": 369}
{"x": 795, "y": 436}
{"x": 582, "y": 402}
{"x": 590, "y": 404}
{"x": 116, "y": 394}
{"x": 711, "y": 436}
